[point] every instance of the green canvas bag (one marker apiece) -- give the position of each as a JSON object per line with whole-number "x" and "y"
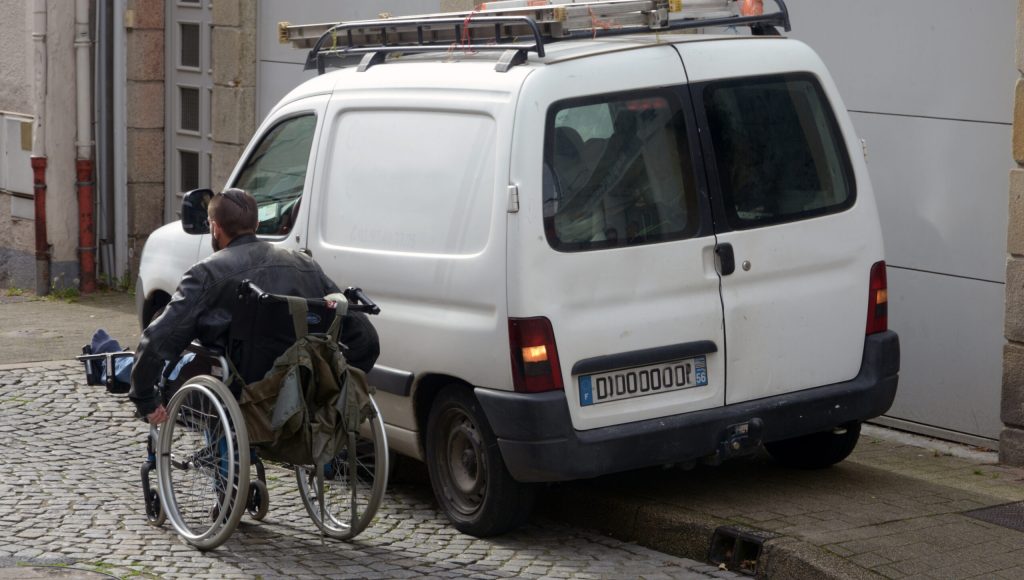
{"x": 309, "y": 405}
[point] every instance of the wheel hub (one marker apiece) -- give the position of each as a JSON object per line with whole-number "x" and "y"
{"x": 465, "y": 449}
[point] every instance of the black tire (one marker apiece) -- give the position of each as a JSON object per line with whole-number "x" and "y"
{"x": 203, "y": 462}
{"x": 155, "y": 515}
{"x": 817, "y": 450}
{"x": 470, "y": 481}
{"x": 350, "y": 499}
{"x": 259, "y": 500}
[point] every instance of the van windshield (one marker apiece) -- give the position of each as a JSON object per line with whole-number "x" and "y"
{"x": 778, "y": 150}
{"x": 617, "y": 172}
{"x": 275, "y": 173}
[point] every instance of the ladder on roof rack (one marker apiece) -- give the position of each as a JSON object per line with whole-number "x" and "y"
{"x": 513, "y": 27}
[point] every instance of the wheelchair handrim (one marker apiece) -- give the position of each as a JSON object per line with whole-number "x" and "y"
{"x": 234, "y": 473}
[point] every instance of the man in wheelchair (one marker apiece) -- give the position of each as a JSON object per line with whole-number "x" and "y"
{"x": 202, "y": 306}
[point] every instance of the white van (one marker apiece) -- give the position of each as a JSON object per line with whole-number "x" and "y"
{"x": 592, "y": 255}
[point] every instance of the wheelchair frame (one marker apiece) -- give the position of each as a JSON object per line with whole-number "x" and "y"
{"x": 204, "y": 414}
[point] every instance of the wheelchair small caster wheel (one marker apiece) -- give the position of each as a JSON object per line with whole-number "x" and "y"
{"x": 259, "y": 500}
{"x": 154, "y": 511}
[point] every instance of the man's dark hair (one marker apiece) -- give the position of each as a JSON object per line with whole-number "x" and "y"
{"x": 235, "y": 212}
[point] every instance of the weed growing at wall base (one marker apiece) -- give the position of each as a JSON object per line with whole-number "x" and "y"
{"x": 122, "y": 284}
{"x": 61, "y": 291}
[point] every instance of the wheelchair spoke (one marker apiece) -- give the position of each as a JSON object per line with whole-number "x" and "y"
{"x": 350, "y": 500}
{"x": 204, "y": 462}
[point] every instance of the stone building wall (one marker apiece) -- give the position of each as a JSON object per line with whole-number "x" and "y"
{"x": 16, "y": 57}
{"x": 145, "y": 116}
{"x": 234, "y": 84}
{"x": 1011, "y": 441}
{"x": 17, "y": 228}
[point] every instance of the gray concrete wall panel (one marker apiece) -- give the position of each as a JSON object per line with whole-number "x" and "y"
{"x": 941, "y": 191}
{"x": 951, "y": 341}
{"x": 929, "y": 84}
{"x": 275, "y": 79}
{"x": 938, "y": 58}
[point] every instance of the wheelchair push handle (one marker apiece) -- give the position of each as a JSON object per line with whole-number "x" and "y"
{"x": 357, "y": 299}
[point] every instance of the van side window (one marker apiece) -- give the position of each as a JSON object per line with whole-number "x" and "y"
{"x": 779, "y": 153}
{"x": 275, "y": 173}
{"x": 617, "y": 172}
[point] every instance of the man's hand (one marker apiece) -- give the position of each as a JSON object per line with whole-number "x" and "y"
{"x": 157, "y": 417}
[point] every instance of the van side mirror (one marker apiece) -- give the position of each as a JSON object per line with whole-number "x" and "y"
{"x": 193, "y": 211}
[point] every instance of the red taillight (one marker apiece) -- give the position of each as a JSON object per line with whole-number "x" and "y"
{"x": 878, "y": 300}
{"x": 535, "y": 366}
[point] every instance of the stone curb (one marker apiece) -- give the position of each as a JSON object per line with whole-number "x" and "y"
{"x": 39, "y": 572}
{"x": 680, "y": 532}
{"x": 43, "y": 364}
{"x": 786, "y": 557}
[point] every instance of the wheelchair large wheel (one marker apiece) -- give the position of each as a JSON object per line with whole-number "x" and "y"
{"x": 351, "y": 498}
{"x": 203, "y": 462}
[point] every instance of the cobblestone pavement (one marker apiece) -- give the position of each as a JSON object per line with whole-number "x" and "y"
{"x": 69, "y": 496}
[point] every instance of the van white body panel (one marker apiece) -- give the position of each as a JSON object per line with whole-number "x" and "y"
{"x": 409, "y": 148}
{"x": 169, "y": 252}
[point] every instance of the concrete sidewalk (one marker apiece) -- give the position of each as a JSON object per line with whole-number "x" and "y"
{"x": 895, "y": 509}
{"x": 39, "y": 329}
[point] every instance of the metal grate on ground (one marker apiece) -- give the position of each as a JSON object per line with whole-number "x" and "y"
{"x": 1007, "y": 515}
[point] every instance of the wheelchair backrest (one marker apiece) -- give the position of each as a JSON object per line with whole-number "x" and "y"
{"x": 261, "y": 330}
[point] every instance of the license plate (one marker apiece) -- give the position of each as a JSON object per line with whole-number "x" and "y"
{"x": 640, "y": 381}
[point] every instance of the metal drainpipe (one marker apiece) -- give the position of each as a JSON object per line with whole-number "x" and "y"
{"x": 83, "y": 165}
{"x": 39, "y": 147}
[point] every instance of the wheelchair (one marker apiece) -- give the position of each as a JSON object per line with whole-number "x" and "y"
{"x": 201, "y": 454}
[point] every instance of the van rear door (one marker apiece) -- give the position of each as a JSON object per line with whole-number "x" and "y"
{"x": 796, "y": 225}
{"x": 617, "y": 254}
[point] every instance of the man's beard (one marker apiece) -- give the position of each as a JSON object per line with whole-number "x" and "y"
{"x": 214, "y": 243}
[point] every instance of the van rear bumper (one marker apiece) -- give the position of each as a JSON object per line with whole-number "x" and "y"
{"x": 538, "y": 443}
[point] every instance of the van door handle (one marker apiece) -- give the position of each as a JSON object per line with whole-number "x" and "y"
{"x": 726, "y": 258}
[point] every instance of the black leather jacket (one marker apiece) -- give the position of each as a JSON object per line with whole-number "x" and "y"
{"x": 201, "y": 309}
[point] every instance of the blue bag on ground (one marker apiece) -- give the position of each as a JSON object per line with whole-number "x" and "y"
{"x": 103, "y": 343}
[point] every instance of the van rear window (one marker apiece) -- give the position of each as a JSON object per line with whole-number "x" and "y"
{"x": 778, "y": 150}
{"x": 617, "y": 172}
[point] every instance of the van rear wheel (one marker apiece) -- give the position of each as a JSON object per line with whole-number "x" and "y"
{"x": 817, "y": 450}
{"x": 470, "y": 481}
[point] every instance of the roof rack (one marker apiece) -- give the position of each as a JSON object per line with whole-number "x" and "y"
{"x": 514, "y": 28}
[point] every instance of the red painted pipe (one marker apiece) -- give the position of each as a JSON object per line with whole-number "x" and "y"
{"x": 42, "y": 245}
{"x": 86, "y": 230}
